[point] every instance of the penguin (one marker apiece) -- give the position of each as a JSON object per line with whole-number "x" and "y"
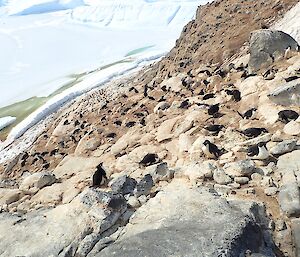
{"x": 286, "y": 116}
{"x": 214, "y": 128}
{"x": 289, "y": 79}
{"x": 99, "y": 177}
{"x": 149, "y": 159}
{"x": 145, "y": 91}
{"x": 185, "y": 104}
{"x": 269, "y": 74}
{"x": 259, "y": 153}
{"x": 208, "y": 96}
{"x": 213, "y": 109}
{"x": 253, "y": 132}
{"x": 248, "y": 114}
{"x": 211, "y": 150}
{"x": 236, "y": 94}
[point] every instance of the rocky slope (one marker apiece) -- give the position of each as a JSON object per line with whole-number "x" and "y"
{"x": 165, "y": 194}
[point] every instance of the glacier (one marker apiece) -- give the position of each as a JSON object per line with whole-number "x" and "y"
{"x": 47, "y": 42}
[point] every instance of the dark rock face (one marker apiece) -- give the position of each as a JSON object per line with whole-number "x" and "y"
{"x": 268, "y": 45}
{"x": 124, "y": 185}
{"x": 144, "y": 186}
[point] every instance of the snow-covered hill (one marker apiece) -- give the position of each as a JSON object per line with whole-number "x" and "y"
{"x": 46, "y": 43}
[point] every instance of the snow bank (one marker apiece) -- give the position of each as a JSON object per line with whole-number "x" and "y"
{"x": 6, "y": 121}
{"x": 92, "y": 81}
{"x": 26, "y": 7}
{"x": 137, "y": 13}
{"x": 291, "y": 23}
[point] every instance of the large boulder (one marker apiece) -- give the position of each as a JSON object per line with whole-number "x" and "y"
{"x": 66, "y": 230}
{"x": 268, "y": 45}
{"x": 184, "y": 221}
{"x": 289, "y": 199}
{"x": 36, "y": 181}
{"x": 287, "y": 94}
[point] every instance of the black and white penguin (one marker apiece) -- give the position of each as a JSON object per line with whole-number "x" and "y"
{"x": 99, "y": 177}
{"x": 258, "y": 152}
{"x": 149, "y": 159}
{"x": 269, "y": 74}
{"x": 213, "y": 109}
{"x": 208, "y": 96}
{"x": 236, "y": 94}
{"x": 211, "y": 150}
{"x": 289, "y": 79}
{"x": 248, "y": 114}
{"x": 287, "y": 115}
{"x": 214, "y": 128}
{"x": 253, "y": 132}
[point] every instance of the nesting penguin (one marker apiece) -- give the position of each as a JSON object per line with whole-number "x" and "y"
{"x": 286, "y": 116}
{"x": 253, "y": 132}
{"x": 210, "y": 150}
{"x": 258, "y": 152}
{"x": 248, "y": 114}
{"x": 213, "y": 109}
{"x": 99, "y": 177}
{"x": 214, "y": 128}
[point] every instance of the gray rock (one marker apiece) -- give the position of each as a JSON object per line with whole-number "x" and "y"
{"x": 267, "y": 45}
{"x": 287, "y": 94}
{"x": 289, "y": 199}
{"x": 283, "y": 147}
{"x": 124, "y": 185}
{"x": 271, "y": 191}
{"x": 144, "y": 186}
{"x": 37, "y": 181}
{"x": 193, "y": 222}
{"x": 160, "y": 172}
{"x": 241, "y": 180}
{"x": 221, "y": 177}
{"x": 67, "y": 230}
{"x": 240, "y": 168}
{"x": 295, "y": 226}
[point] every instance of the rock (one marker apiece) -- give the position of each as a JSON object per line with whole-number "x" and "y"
{"x": 8, "y": 196}
{"x": 161, "y": 106}
{"x": 267, "y": 45}
{"x": 280, "y": 225}
{"x": 295, "y": 226}
{"x": 72, "y": 228}
{"x": 289, "y": 166}
{"x": 128, "y": 140}
{"x": 183, "y": 222}
{"x": 160, "y": 172}
{"x": 240, "y": 168}
{"x": 221, "y": 177}
{"x": 76, "y": 166}
{"x": 289, "y": 199}
{"x": 199, "y": 171}
{"x": 174, "y": 84}
{"x": 133, "y": 202}
{"x": 87, "y": 143}
{"x": 144, "y": 186}
{"x": 292, "y": 128}
{"x": 241, "y": 180}
{"x": 271, "y": 191}
{"x": 123, "y": 185}
{"x": 36, "y": 181}
{"x": 287, "y": 94}
{"x": 285, "y": 146}
{"x": 165, "y": 130}
{"x": 184, "y": 143}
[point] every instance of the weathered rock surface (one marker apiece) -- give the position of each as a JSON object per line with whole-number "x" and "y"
{"x": 36, "y": 181}
{"x": 285, "y": 146}
{"x": 267, "y": 45}
{"x": 65, "y": 230}
{"x": 287, "y": 94}
{"x": 289, "y": 199}
{"x": 183, "y": 223}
